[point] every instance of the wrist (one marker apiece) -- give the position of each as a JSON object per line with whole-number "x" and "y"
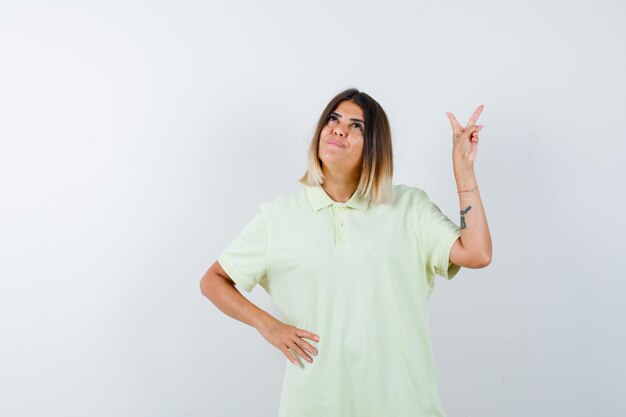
{"x": 464, "y": 175}
{"x": 262, "y": 320}
{"x": 461, "y": 162}
{"x": 468, "y": 190}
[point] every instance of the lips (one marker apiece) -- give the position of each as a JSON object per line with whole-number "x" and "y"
{"x": 335, "y": 143}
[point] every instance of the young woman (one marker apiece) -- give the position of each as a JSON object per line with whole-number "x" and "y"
{"x": 350, "y": 260}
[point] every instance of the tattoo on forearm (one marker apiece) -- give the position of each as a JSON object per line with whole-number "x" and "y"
{"x": 463, "y": 225}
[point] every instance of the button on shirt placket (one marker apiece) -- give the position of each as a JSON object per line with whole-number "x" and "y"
{"x": 341, "y": 236}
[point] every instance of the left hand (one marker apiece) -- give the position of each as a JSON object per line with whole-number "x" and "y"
{"x": 465, "y": 139}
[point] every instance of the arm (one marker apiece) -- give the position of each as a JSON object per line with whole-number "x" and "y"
{"x": 473, "y": 248}
{"x": 220, "y": 289}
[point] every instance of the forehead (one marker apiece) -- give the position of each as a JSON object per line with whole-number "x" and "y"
{"x": 349, "y": 109}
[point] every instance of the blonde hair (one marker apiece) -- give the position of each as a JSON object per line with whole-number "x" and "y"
{"x": 377, "y": 161}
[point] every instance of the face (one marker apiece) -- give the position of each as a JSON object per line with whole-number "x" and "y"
{"x": 341, "y": 139}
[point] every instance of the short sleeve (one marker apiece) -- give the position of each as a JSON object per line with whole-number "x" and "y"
{"x": 245, "y": 259}
{"x": 436, "y": 234}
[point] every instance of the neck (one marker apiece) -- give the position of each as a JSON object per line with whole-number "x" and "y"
{"x": 339, "y": 187}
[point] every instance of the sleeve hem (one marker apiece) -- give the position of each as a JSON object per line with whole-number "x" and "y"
{"x": 234, "y": 274}
{"x": 444, "y": 267}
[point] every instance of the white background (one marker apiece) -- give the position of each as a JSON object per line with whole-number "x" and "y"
{"x": 138, "y": 138}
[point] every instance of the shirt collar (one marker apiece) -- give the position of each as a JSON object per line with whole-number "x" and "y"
{"x": 320, "y": 199}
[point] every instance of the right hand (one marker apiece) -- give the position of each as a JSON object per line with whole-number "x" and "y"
{"x": 285, "y": 337}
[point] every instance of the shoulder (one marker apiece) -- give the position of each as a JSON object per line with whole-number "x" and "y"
{"x": 409, "y": 195}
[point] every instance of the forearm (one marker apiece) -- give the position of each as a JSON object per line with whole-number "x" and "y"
{"x": 475, "y": 235}
{"x": 231, "y": 302}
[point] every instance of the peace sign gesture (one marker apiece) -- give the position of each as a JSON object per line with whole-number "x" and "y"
{"x": 465, "y": 139}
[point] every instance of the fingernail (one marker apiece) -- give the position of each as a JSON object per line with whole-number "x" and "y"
{"x": 317, "y": 338}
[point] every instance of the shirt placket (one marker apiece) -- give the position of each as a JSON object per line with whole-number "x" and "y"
{"x": 340, "y": 212}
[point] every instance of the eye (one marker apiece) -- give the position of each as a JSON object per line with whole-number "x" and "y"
{"x": 358, "y": 125}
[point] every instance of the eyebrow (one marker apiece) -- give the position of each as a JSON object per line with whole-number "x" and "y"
{"x": 353, "y": 119}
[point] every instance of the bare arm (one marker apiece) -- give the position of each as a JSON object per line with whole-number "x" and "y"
{"x": 220, "y": 289}
{"x": 473, "y": 248}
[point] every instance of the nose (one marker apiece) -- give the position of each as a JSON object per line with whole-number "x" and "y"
{"x": 339, "y": 131}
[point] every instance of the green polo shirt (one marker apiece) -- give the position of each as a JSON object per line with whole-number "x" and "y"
{"x": 359, "y": 275}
